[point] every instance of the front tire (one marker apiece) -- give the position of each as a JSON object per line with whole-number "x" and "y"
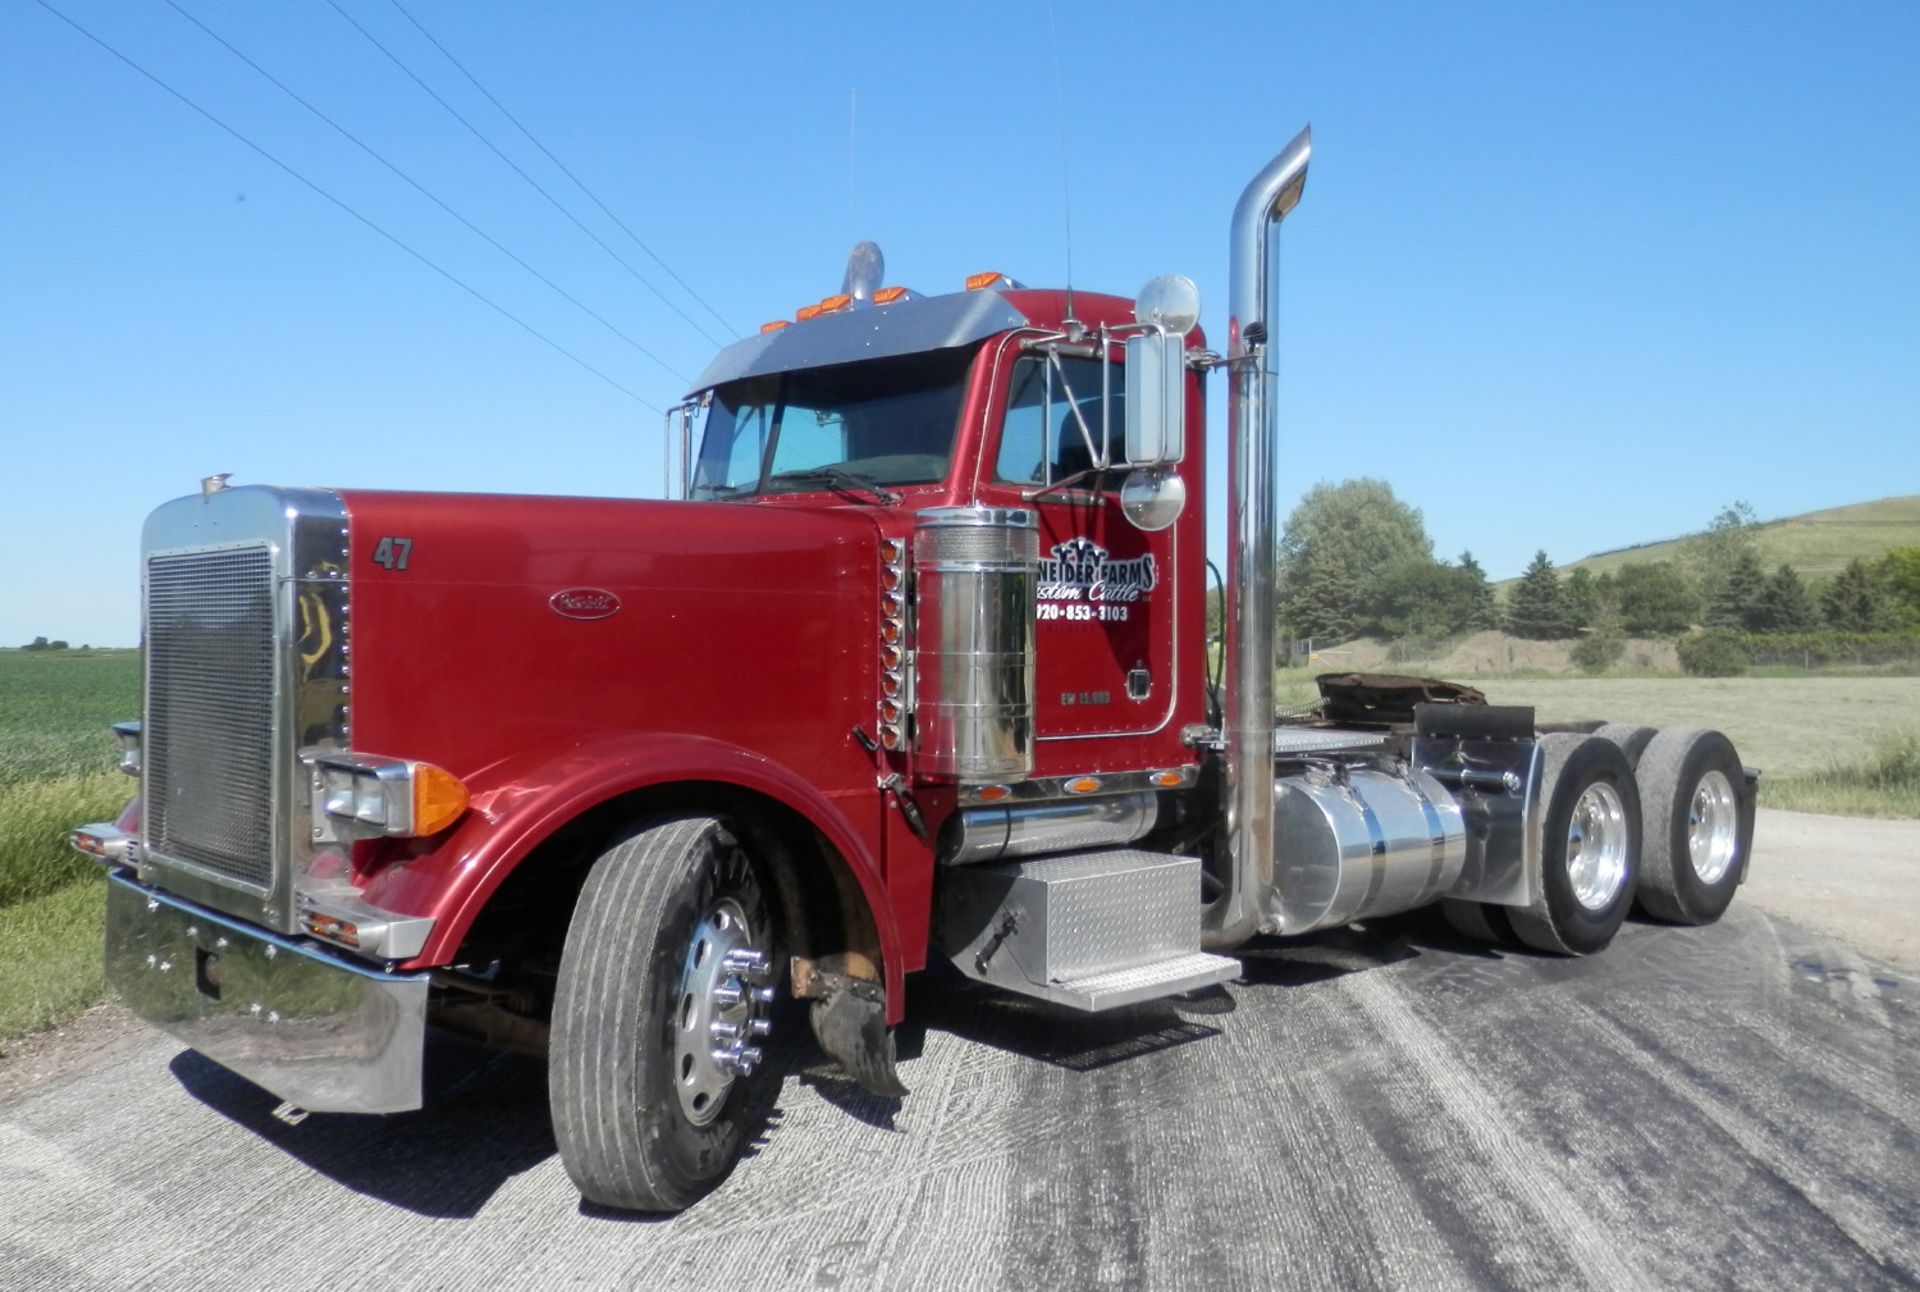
{"x": 659, "y": 1001}
{"x": 1699, "y": 826}
{"x": 1589, "y": 847}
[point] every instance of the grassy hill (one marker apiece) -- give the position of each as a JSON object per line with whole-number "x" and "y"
{"x": 1816, "y": 543}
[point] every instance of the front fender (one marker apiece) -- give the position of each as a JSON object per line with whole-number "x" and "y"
{"x": 523, "y": 800}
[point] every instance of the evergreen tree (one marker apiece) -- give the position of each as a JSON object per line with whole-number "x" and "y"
{"x": 1482, "y": 609}
{"x": 1537, "y": 607}
{"x": 1785, "y": 604}
{"x": 1737, "y": 600}
{"x": 1582, "y": 601}
{"x": 1323, "y": 598}
{"x": 1854, "y": 602}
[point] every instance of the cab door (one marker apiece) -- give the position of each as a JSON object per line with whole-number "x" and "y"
{"x": 1105, "y": 630}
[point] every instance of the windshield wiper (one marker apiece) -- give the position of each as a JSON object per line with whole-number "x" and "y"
{"x": 845, "y": 481}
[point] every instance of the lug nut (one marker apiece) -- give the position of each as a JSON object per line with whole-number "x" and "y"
{"x": 759, "y": 1026}
{"x": 763, "y": 995}
{"x": 721, "y": 1030}
{"x": 747, "y": 962}
{"x": 727, "y": 993}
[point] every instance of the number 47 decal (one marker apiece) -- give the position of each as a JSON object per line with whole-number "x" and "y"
{"x": 393, "y": 553}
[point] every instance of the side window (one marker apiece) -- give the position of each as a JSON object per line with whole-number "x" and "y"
{"x": 1041, "y": 440}
{"x": 1024, "y": 434}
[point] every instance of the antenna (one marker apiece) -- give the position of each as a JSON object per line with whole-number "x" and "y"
{"x": 1060, "y": 123}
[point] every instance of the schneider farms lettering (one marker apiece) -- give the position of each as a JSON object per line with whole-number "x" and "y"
{"x": 1080, "y": 570}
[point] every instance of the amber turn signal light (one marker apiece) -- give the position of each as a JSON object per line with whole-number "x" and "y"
{"x": 439, "y": 797}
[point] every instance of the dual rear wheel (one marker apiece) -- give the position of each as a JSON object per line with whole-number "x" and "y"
{"x": 1626, "y": 813}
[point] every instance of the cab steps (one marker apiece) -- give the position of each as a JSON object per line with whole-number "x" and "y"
{"x": 1088, "y": 930}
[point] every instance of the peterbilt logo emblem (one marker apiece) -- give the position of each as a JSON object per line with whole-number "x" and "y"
{"x": 584, "y": 603}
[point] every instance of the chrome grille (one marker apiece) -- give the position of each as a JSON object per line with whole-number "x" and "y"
{"x": 208, "y": 740}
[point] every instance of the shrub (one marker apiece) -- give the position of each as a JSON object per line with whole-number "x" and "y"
{"x": 1829, "y": 646}
{"x": 1715, "y": 653}
{"x": 1598, "y": 652}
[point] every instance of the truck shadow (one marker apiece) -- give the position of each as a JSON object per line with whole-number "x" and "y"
{"x": 485, "y": 1121}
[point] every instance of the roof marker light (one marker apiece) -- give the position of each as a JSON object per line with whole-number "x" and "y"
{"x": 888, "y": 295}
{"x": 774, "y": 326}
{"x": 806, "y": 312}
{"x": 987, "y": 279}
{"x": 836, "y": 303}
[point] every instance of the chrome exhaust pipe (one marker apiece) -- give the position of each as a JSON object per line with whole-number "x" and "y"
{"x": 1238, "y": 914}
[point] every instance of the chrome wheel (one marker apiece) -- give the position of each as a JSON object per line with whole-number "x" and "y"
{"x": 722, "y": 993}
{"x": 1713, "y": 827}
{"x": 1597, "y": 846}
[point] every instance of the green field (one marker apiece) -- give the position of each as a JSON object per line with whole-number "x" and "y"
{"x": 1816, "y": 543}
{"x": 57, "y": 770}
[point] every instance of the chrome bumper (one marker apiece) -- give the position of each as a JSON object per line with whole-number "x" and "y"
{"x": 322, "y": 1034}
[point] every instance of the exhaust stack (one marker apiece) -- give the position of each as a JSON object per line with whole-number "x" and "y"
{"x": 1252, "y": 554}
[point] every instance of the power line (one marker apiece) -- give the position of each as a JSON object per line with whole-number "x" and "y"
{"x": 600, "y": 242}
{"x": 444, "y": 273}
{"x": 424, "y": 192}
{"x": 564, "y": 169}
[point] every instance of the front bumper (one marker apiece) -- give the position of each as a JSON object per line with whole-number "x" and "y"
{"x": 322, "y": 1034}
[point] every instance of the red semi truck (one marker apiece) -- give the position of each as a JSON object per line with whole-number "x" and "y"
{"x": 917, "y": 664}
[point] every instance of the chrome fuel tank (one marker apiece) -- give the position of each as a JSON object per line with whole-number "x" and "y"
{"x": 1353, "y": 842}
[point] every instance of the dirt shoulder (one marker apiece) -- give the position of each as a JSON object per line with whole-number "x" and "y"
{"x": 32, "y": 1061}
{"x": 1851, "y": 878}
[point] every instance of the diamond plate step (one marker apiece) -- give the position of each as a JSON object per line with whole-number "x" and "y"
{"x": 1119, "y": 987}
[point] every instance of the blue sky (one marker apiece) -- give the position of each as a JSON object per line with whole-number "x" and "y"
{"x": 1567, "y": 276}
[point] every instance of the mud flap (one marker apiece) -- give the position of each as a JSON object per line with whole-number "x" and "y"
{"x": 849, "y": 1020}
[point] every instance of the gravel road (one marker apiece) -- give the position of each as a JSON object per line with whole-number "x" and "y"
{"x": 1731, "y": 1106}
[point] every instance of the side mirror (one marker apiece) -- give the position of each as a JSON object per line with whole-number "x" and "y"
{"x": 1156, "y": 398}
{"x": 1168, "y": 306}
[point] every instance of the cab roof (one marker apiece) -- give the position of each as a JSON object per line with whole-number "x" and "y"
{"x": 906, "y": 327}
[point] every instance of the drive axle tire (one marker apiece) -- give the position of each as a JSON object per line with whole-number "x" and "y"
{"x": 1699, "y": 826}
{"x": 1480, "y": 921}
{"x": 659, "y": 1002}
{"x": 1632, "y": 740}
{"x": 1589, "y": 847}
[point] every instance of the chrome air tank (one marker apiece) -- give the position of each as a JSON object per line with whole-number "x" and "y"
{"x": 975, "y": 570}
{"x": 1354, "y": 842}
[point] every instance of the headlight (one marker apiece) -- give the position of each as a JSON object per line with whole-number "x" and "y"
{"x": 363, "y": 794}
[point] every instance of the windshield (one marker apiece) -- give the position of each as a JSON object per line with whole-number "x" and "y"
{"x": 886, "y": 421}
